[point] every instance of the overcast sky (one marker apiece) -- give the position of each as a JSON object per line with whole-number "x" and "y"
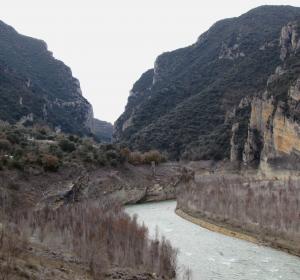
{"x": 110, "y": 43}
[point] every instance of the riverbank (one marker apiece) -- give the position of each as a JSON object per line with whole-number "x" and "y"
{"x": 231, "y": 231}
{"x": 211, "y": 255}
{"x": 216, "y": 228}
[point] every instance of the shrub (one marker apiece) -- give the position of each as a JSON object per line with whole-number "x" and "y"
{"x": 101, "y": 159}
{"x": 4, "y": 160}
{"x": 114, "y": 162}
{"x": 112, "y": 154}
{"x": 14, "y": 137}
{"x": 153, "y": 156}
{"x": 67, "y": 146}
{"x": 136, "y": 158}
{"x": 50, "y": 163}
{"x": 125, "y": 152}
{"x": 16, "y": 163}
{"x": 30, "y": 158}
{"x": 73, "y": 138}
{"x": 88, "y": 157}
{"x": 18, "y": 152}
{"x": 55, "y": 150}
{"x": 5, "y": 145}
{"x": 14, "y": 186}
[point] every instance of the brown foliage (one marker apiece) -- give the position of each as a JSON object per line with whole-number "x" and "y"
{"x": 137, "y": 158}
{"x": 153, "y": 156}
{"x": 50, "y": 162}
{"x": 125, "y": 152}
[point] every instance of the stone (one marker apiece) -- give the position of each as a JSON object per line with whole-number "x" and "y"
{"x": 294, "y": 91}
{"x": 289, "y": 40}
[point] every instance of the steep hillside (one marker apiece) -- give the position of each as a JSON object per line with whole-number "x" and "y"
{"x": 185, "y": 105}
{"x": 35, "y": 87}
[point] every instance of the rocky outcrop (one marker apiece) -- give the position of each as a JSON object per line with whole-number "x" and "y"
{"x": 232, "y": 53}
{"x": 294, "y": 91}
{"x": 273, "y": 137}
{"x": 261, "y": 111}
{"x": 289, "y": 40}
{"x": 239, "y": 117}
{"x": 182, "y": 106}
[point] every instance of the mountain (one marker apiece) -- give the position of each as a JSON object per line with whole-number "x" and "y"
{"x": 37, "y": 88}
{"x": 186, "y": 106}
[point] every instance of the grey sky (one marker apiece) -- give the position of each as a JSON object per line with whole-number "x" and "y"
{"x": 109, "y": 44}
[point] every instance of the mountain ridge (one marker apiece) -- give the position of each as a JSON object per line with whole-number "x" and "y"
{"x": 38, "y": 88}
{"x": 186, "y": 110}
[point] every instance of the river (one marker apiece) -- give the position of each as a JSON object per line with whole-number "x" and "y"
{"x": 213, "y": 256}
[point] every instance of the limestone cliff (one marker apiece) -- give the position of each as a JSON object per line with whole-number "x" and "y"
{"x": 273, "y": 137}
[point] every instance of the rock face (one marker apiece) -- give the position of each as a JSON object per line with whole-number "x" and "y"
{"x": 273, "y": 137}
{"x": 289, "y": 40}
{"x": 37, "y": 88}
{"x": 185, "y": 105}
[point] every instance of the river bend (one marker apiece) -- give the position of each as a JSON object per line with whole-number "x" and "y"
{"x": 213, "y": 256}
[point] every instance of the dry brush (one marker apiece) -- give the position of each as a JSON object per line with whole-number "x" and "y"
{"x": 266, "y": 208}
{"x": 100, "y": 236}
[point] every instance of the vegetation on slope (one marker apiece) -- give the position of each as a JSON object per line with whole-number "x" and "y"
{"x": 39, "y": 147}
{"x": 95, "y": 240}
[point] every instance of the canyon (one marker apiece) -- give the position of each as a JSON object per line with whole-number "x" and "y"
{"x": 214, "y": 126}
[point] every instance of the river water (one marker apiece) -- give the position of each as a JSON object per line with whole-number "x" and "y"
{"x": 213, "y": 256}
